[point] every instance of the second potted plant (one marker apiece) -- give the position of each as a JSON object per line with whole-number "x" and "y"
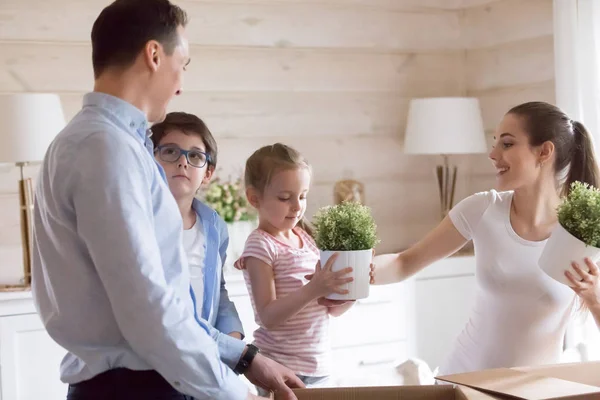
{"x": 577, "y": 234}
{"x": 348, "y": 229}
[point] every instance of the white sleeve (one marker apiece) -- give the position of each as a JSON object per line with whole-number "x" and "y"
{"x": 467, "y": 213}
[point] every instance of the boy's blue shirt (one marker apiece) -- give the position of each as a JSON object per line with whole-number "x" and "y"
{"x": 217, "y": 308}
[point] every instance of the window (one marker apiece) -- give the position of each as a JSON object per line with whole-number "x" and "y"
{"x": 577, "y": 69}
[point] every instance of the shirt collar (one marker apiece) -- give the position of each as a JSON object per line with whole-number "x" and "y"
{"x": 205, "y": 212}
{"x": 131, "y": 117}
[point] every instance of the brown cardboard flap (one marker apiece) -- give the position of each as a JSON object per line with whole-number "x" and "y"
{"x": 522, "y": 385}
{"x": 587, "y": 373}
{"x": 432, "y": 392}
{"x": 467, "y": 393}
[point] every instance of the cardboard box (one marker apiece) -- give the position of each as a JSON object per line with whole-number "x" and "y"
{"x": 563, "y": 381}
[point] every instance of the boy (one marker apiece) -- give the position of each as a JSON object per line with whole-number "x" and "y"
{"x": 187, "y": 151}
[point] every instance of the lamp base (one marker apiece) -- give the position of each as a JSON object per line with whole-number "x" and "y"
{"x": 446, "y": 177}
{"x": 26, "y": 208}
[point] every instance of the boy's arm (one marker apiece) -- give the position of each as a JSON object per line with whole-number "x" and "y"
{"x": 228, "y": 320}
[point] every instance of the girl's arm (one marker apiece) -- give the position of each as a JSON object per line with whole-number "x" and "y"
{"x": 274, "y": 311}
{"x": 336, "y": 311}
{"x": 441, "y": 242}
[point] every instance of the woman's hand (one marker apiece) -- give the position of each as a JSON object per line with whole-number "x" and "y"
{"x": 372, "y": 274}
{"x": 372, "y": 271}
{"x": 585, "y": 284}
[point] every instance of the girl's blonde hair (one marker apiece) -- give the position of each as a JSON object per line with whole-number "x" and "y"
{"x": 265, "y": 162}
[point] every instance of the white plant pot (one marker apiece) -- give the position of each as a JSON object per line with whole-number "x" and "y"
{"x": 360, "y": 261}
{"x": 561, "y": 250}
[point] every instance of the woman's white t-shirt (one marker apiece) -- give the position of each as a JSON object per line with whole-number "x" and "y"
{"x": 520, "y": 314}
{"x": 193, "y": 244}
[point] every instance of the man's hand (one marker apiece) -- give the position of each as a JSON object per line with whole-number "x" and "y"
{"x": 272, "y": 376}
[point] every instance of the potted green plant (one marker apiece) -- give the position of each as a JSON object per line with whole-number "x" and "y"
{"x": 576, "y": 236}
{"x": 347, "y": 228}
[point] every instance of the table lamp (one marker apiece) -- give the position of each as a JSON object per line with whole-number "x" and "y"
{"x": 28, "y": 123}
{"x": 445, "y": 125}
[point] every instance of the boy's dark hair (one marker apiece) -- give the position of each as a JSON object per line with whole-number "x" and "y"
{"x": 125, "y": 26}
{"x": 190, "y": 125}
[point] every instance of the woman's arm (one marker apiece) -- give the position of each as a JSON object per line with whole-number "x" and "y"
{"x": 441, "y": 242}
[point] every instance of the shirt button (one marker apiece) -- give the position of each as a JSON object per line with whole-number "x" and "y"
{"x": 132, "y": 124}
{"x": 177, "y": 383}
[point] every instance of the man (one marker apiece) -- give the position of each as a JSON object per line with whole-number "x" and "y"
{"x": 110, "y": 279}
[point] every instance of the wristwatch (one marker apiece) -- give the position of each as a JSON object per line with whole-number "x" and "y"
{"x": 246, "y": 360}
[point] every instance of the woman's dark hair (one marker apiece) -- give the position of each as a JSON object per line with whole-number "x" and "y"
{"x": 573, "y": 144}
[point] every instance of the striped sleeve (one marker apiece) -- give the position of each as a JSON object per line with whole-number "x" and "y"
{"x": 258, "y": 246}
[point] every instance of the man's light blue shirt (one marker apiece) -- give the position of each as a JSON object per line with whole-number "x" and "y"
{"x": 110, "y": 278}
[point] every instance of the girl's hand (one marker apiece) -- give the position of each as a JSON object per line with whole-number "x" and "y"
{"x": 585, "y": 284}
{"x": 325, "y": 281}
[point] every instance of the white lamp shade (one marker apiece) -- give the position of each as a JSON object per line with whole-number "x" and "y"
{"x": 444, "y": 125}
{"x": 28, "y": 123}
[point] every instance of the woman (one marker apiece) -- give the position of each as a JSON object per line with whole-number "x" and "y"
{"x": 520, "y": 314}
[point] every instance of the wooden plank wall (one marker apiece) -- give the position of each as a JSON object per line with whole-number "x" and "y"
{"x": 509, "y": 60}
{"x": 331, "y": 77}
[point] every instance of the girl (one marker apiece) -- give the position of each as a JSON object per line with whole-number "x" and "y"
{"x": 520, "y": 314}
{"x": 187, "y": 151}
{"x": 293, "y": 318}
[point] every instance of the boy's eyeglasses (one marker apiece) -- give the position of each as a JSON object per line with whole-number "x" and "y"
{"x": 171, "y": 153}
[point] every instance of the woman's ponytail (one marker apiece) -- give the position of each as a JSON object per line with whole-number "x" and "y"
{"x": 584, "y": 167}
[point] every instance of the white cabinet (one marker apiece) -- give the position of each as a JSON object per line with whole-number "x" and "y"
{"x": 367, "y": 341}
{"x": 417, "y": 318}
{"x": 29, "y": 358}
{"x": 444, "y": 294}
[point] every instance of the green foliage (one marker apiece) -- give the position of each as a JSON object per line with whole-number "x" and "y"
{"x": 229, "y": 201}
{"x": 346, "y": 226}
{"x": 579, "y": 213}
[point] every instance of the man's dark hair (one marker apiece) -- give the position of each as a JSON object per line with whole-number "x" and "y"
{"x": 124, "y": 27}
{"x": 190, "y": 125}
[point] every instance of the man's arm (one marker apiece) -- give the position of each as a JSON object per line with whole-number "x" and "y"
{"x": 111, "y": 195}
